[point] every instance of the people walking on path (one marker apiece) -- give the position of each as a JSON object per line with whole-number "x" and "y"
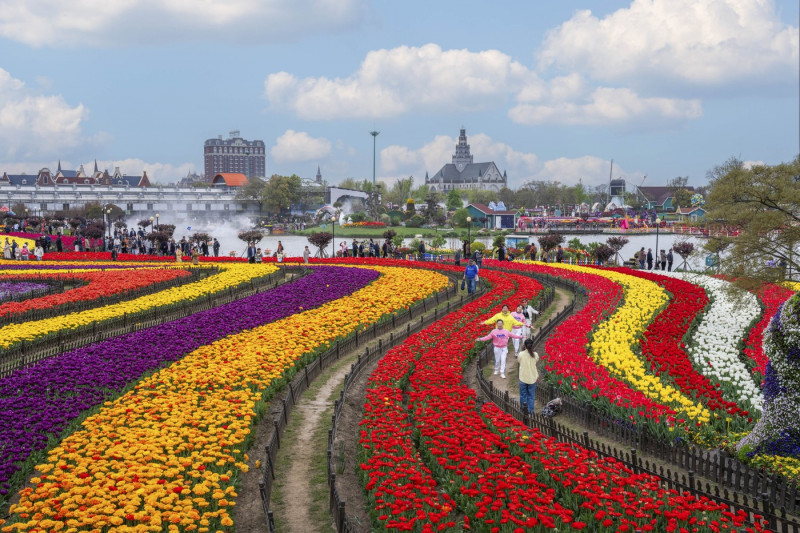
{"x": 519, "y": 329}
{"x": 649, "y": 259}
{"x": 670, "y": 257}
{"x": 306, "y": 254}
{"x": 528, "y": 375}
{"x": 528, "y": 312}
{"x": 505, "y": 316}
{"x": 499, "y": 337}
{"x": 471, "y": 276}
{"x": 663, "y": 260}
{"x": 642, "y": 258}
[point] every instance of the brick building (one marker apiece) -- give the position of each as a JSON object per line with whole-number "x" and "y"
{"x": 234, "y": 155}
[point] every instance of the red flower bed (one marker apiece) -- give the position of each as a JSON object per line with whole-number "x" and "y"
{"x": 604, "y": 492}
{"x": 99, "y": 284}
{"x": 431, "y": 458}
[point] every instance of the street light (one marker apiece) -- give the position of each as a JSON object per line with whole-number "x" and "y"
{"x": 333, "y": 239}
{"x": 658, "y": 226}
{"x": 374, "y": 191}
{"x": 108, "y": 224}
{"x": 469, "y": 236}
{"x": 151, "y": 225}
{"x": 156, "y": 219}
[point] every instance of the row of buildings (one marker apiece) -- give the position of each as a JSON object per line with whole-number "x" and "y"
{"x": 230, "y": 163}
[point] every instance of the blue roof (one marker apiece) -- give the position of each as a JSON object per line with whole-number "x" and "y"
{"x": 22, "y": 179}
{"x": 69, "y": 173}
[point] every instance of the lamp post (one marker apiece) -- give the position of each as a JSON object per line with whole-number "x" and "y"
{"x": 469, "y": 236}
{"x": 108, "y": 224}
{"x": 151, "y": 225}
{"x": 333, "y": 239}
{"x": 658, "y": 227}
{"x": 156, "y": 219}
{"x": 374, "y": 191}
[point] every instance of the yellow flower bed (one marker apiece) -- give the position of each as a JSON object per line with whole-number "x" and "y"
{"x": 232, "y": 274}
{"x": 167, "y": 454}
{"x": 614, "y": 339}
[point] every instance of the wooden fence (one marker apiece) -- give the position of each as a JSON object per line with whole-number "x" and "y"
{"x": 753, "y": 490}
{"x": 54, "y": 286}
{"x": 414, "y": 320}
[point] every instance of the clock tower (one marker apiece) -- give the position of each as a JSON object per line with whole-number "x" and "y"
{"x": 462, "y": 157}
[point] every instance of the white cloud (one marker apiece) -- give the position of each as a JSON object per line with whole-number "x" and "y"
{"x": 609, "y": 106}
{"x": 592, "y": 171}
{"x": 428, "y": 79}
{"x": 103, "y": 23}
{"x": 699, "y": 42}
{"x": 392, "y": 82}
{"x": 295, "y": 146}
{"x": 34, "y": 125}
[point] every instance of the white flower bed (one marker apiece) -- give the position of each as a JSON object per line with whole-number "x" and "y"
{"x": 714, "y": 345}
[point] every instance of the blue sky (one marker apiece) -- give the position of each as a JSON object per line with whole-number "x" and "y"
{"x": 547, "y": 90}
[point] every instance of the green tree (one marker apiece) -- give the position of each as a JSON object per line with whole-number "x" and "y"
{"x": 432, "y": 205}
{"x": 421, "y": 192}
{"x": 762, "y": 204}
{"x": 252, "y": 190}
{"x": 460, "y": 218}
{"x": 506, "y": 196}
{"x": 400, "y": 191}
{"x": 280, "y": 192}
{"x": 479, "y": 196}
{"x": 453, "y": 200}
{"x": 678, "y": 187}
{"x": 352, "y": 183}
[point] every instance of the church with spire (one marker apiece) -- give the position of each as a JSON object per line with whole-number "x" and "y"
{"x": 463, "y": 173}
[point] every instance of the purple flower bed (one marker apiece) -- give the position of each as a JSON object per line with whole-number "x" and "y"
{"x": 12, "y": 288}
{"x": 39, "y": 403}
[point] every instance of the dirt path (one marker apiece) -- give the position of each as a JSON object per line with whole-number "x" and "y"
{"x": 296, "y": 484}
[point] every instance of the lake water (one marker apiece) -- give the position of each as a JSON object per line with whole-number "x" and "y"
{"x": 294, "y": 244}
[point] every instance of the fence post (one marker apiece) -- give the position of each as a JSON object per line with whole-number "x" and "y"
{"x": 340, "y": 522}
{"x": 769, "y": 512}
{"x": 635, "y": 461}
{"x": 277, "y": 434}
{"x": 269, "y": 460}
{"x": 691, "y": 480}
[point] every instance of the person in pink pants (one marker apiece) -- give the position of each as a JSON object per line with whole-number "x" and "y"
{"x": 500, "y": 337}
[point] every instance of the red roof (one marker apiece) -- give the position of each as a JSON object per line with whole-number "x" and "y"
{"x": 230, "y": 179}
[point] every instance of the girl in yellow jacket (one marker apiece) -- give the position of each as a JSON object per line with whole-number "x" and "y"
{"x": 504, "y": 315}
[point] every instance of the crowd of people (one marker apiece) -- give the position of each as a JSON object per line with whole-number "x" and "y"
{"x": 520, "y": 321}
{"x": 662, "y": 262}
{"x": 369, "y": 248}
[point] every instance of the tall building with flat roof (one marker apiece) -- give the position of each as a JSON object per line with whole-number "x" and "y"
{"x": 234, "y": 155}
